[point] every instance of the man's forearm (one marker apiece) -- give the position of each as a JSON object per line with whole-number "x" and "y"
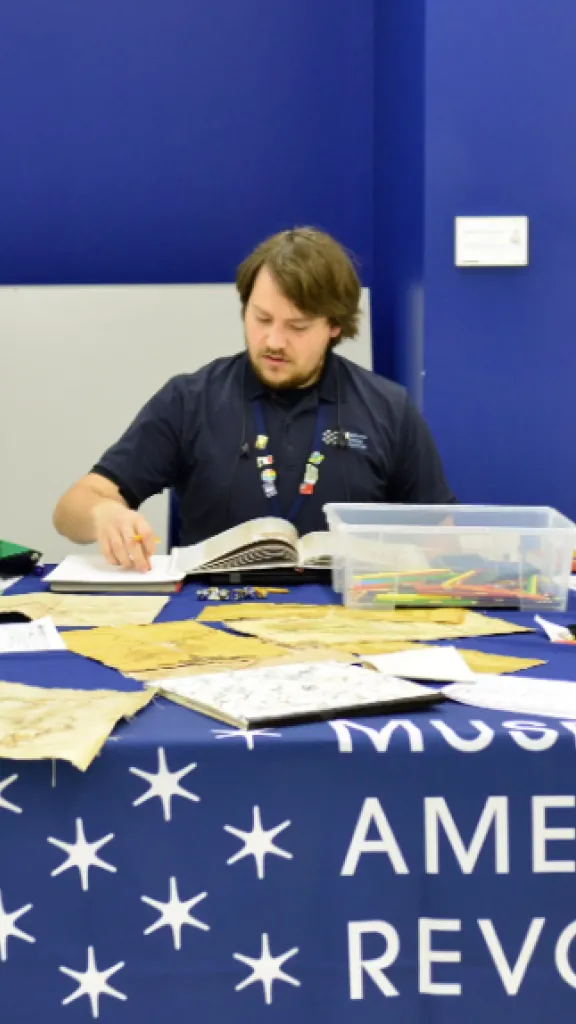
{"x": 74, "y": 514}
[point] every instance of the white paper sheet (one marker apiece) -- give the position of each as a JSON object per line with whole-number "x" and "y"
{"x": 551, "y": 698}
{"x": 5, "y": 583}
{"x": 23, "y": 637}
{"x": 95, "y": 569}
{"x": 440, "y": 664}
{"x": 555, "y": 633}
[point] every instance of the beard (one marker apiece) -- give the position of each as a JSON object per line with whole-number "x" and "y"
{"x": 287, "y": 376}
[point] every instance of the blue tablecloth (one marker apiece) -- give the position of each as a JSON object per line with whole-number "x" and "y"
{"x": 393, "y": 869}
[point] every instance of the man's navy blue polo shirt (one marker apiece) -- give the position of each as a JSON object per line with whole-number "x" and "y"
{"x": 197, "y": 435}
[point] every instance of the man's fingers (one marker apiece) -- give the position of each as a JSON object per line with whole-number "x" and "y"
{"x": 138, "y": 557}
{"x": 107, "y": 550}
{"x": 144, "y": 531}
{"x": 119, "y": 550}
{"x": 126, "y": 539}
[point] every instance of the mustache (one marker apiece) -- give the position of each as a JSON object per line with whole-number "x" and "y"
{"x": 275, "y": 355}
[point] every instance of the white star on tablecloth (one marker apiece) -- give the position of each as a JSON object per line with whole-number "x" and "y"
{"x": 164, "y": 784}
{"x": 6, "y": 803}
{"x": 93, "y": 983}
{"x": 246, "y": 734}
{"x": 175, "y": 913}
{"x": 258, "y": 842}
{"x": 266, "y": 968}
{"x": 8, "y": 928}
{"x": 81, "y": 854}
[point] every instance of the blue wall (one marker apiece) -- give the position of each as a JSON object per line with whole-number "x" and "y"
{"x": 500, "y": 138}
{"x": 159, "y": 140}
{"x": 399, "y": 36}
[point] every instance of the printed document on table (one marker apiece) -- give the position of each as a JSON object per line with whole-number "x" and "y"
{"x": 553, "y": 698}
{"x": 24, "y": 637}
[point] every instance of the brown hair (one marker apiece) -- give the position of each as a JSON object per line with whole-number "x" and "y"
{"x": 313, "y": 271}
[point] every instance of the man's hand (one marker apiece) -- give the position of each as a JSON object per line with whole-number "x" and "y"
{"x": 125, "y": 537}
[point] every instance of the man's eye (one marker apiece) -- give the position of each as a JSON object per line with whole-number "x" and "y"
{"x": 300, "y": 328}
{"x": 263, "y": 319}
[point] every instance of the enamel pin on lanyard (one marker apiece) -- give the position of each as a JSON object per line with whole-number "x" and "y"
{"x": 268, "y": 474}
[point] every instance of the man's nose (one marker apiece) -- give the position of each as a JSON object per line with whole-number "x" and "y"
{"x": 276, "y": 338}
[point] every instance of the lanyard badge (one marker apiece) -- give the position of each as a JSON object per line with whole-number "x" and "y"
{"x": 265, "y": 463}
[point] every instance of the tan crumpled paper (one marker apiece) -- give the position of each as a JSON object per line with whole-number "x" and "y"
{"x": 82, "y": 610}
{"x": 497, "y": 664}
{"x": 73, "y": 725}
{"x": 354, "y": 634}
{"x": 478, "y": 661}
{"x": 290, "y": 657}
{"x": 165, "y": 645}
{"x": 328, "y": 613}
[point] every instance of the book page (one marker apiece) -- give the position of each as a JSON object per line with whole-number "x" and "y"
{"x": 370, "y": 555}
{"x": 95, "y": 569}
{"x": 315, "y": 549}
{"x": 277, "y": 539}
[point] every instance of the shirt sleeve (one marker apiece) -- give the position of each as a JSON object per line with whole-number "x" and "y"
{"x": 145, "y": 460}
{"x": 418, "y": 476}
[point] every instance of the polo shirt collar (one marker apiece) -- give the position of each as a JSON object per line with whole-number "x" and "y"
{"x": 327, "y": 386}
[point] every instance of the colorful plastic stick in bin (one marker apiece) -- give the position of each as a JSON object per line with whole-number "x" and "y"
{"x": 483, "y": 584}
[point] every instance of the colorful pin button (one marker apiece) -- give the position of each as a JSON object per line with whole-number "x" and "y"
{"x": 261, "y": 441}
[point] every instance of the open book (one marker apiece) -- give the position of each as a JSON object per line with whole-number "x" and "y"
{"x": 274, "y": 694}
{"x": 258, "y": 544}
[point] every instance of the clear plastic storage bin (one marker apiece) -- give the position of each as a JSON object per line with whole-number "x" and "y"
{"x": 486, "y": 556}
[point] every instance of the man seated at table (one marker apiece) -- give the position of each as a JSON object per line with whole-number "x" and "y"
{"x": 279, "y": 429}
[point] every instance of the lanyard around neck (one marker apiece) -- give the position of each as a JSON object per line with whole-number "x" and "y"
{"x": 268, "y": 472}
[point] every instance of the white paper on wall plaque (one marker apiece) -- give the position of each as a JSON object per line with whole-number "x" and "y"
{"x": 491, "y": 241}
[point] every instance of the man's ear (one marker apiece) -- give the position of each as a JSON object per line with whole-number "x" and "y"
{"x": 335, "y": 331}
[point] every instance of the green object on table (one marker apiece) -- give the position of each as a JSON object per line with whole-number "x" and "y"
{"x": 7, "y": 549}
{"x": 16, "y": 559}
